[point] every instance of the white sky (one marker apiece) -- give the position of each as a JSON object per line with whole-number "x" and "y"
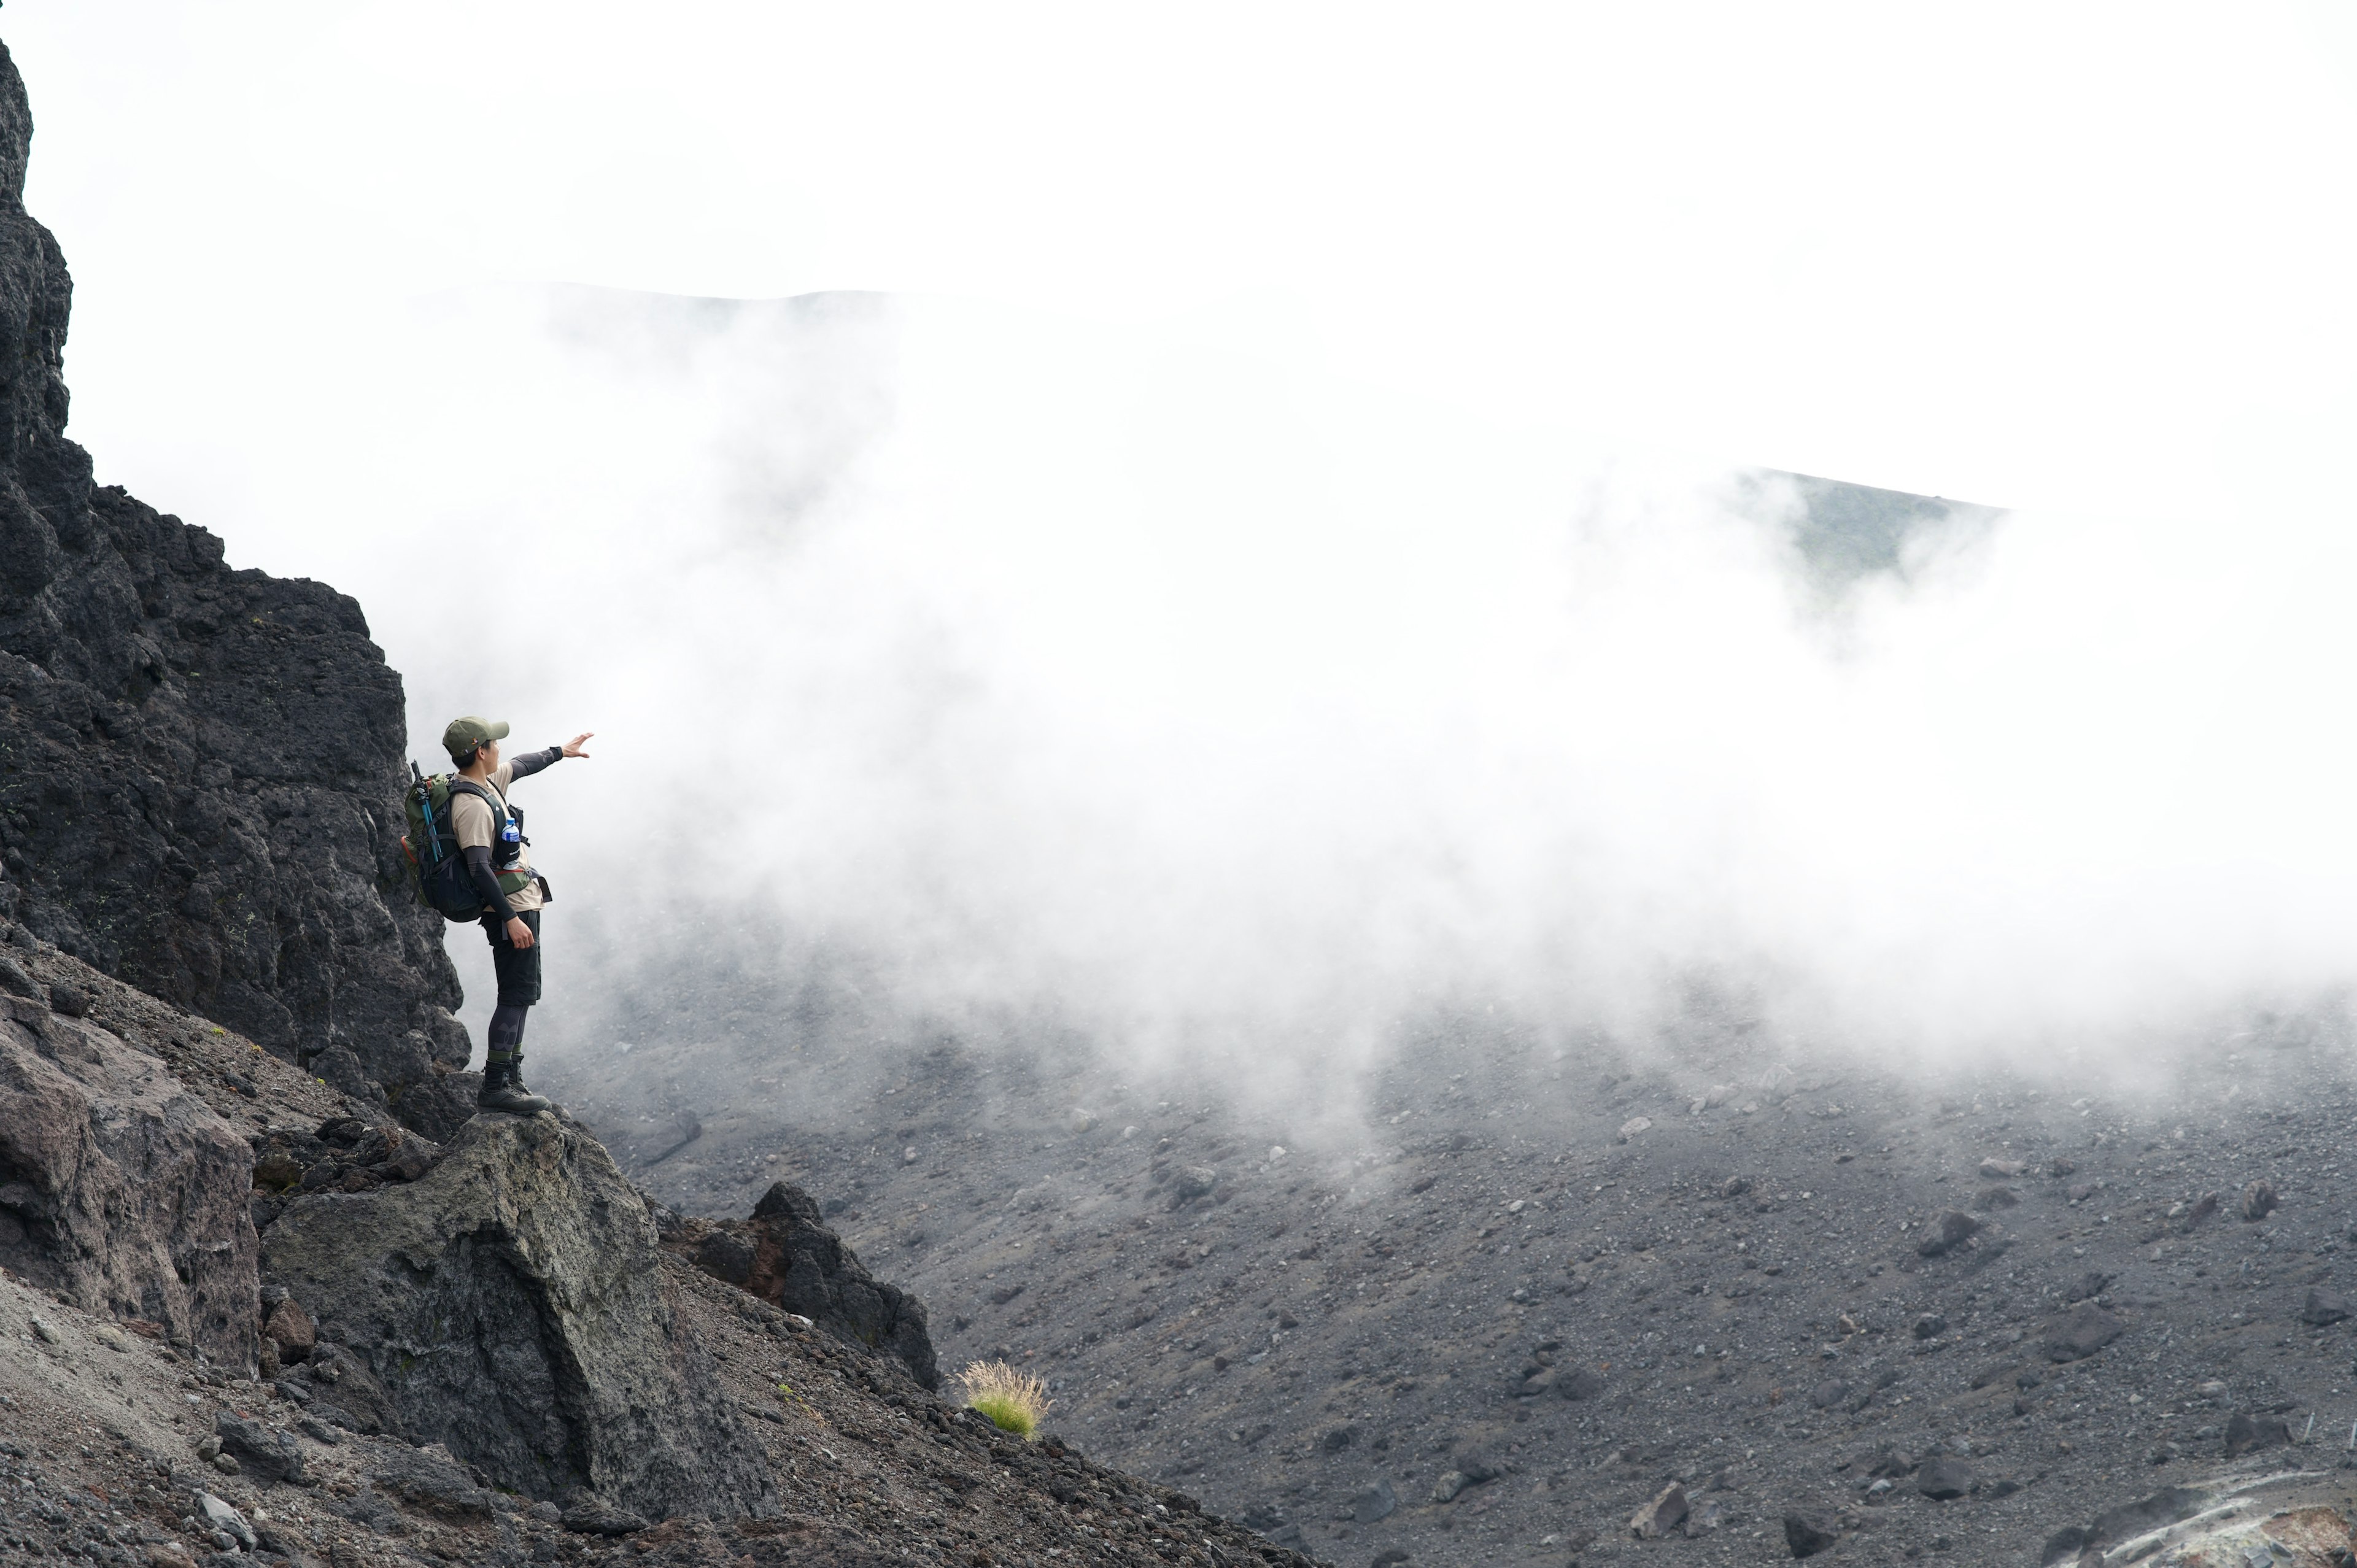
{"x": 2040, "y": 253}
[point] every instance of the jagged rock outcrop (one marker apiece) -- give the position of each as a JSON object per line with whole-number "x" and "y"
{"x": 786, "y": 1255}
{"x": 511, "y": 1305}
{"x": 200, "y": 768}
{"x": 118, "y": 1188}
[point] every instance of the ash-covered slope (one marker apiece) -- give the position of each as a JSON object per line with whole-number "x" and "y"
{"x": 1503, "y": 1315}
{"x": 198, "y": 766}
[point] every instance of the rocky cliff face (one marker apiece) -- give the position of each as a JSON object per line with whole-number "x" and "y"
{"x": 119, "y": 1190}
{"x": 200, "y": 768}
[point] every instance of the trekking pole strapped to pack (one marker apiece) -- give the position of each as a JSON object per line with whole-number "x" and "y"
{"x": 436, "y": 865}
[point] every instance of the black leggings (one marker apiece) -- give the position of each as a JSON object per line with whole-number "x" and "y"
{"x": 518, "y": 971}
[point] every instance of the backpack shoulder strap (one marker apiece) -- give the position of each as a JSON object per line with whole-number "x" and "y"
{"x": 488, "y": 797}
{"x": 468, "y": 787}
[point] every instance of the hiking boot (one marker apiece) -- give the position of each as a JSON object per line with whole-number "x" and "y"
{"x": 503, "y": 1089}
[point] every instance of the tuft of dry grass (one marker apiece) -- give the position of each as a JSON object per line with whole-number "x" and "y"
{"x": 1013, "y": 1400}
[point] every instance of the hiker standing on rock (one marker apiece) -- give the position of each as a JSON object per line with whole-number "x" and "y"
{"x": 490, "y": 835}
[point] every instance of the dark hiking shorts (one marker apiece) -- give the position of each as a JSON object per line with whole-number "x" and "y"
{"x": 518, "y": 969}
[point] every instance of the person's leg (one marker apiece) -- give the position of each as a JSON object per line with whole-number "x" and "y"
{"x": 518, "y": 971}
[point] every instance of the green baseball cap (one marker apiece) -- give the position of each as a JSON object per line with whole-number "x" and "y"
{"x": 465, "y": 734}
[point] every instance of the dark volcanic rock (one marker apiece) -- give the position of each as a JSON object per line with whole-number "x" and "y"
{"x": 1950, "y": 1229}
{"x": 512, "y": 1306}
{"x": 1946, "y": 1477}
{"x": 2087, "y": 1286}
{"x": 204, "y": 765}
{"x": 264, "y": 1450}
{"x": 786, "y": 1255}
{"x": 2248, "y": 1434}
{"x": 1666, "y": 1513}
{"x": 2086, "y": 1329}
{"x": 119, "y": 1188}
{"x": 2322, "y": 1306}
{"x": 1807, "y": 1534}
{"x": 417, "y": 1477}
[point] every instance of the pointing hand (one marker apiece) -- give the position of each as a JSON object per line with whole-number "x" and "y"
{"x": 573, "y": 747}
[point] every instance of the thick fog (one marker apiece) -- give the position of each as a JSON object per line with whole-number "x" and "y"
{"x": 968, "y": 670}
{"x": 1264, "y": 628}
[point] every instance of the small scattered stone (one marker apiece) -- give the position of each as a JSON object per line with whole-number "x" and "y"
{"x": 2086, "y": 1286}
{"x": 1945, "y": 1479}
{"x": 2087, "y": 1329}
{"x": 1666, "y": 1513}
{"x": 2259, "y": 1201}
{"x": 291, "y": 1329}
{"x": 68, "y": 1000}
{"x": 1633, "y": 1126}
{"x": 1990, "y": 1199}
{"x": 1192, "y": 1183}
{"x": 1373, "y": 1503}
{"x": 1951, "y": 1229}
{"x": 318, "y": 1430}
{"x": 274, "y": 1455}
{"x": 1807, "y": 1534}
{"x": 2001, "y": 1170}
{"x": 2249, "y": 1433}
{"x": 45, "y": 1331}
{"x": 1931, "y": 1325}
{"x": 2322, "y": 1306}
{"x": 216, "y": 1514}
{"x": 14, "y": 981}
{"x": 1451, "y": 1482}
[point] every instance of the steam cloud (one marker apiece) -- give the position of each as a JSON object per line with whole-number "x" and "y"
{"x": 1153, "y": 689}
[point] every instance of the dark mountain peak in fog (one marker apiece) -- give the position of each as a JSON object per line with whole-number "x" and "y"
{"x": 1845, "y": 533}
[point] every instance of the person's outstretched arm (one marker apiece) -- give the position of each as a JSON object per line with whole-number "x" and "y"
{"x": 531, "y": 762}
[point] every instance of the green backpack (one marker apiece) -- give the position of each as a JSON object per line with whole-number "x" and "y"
{"x": 437, "y": 868}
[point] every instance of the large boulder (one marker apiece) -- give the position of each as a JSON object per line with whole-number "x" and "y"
{"x": 785, "y": 1254}
{"x": 512, "y": 1306}
{"x": 204, "y": 764}
{"x": 120, "y": 1189}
